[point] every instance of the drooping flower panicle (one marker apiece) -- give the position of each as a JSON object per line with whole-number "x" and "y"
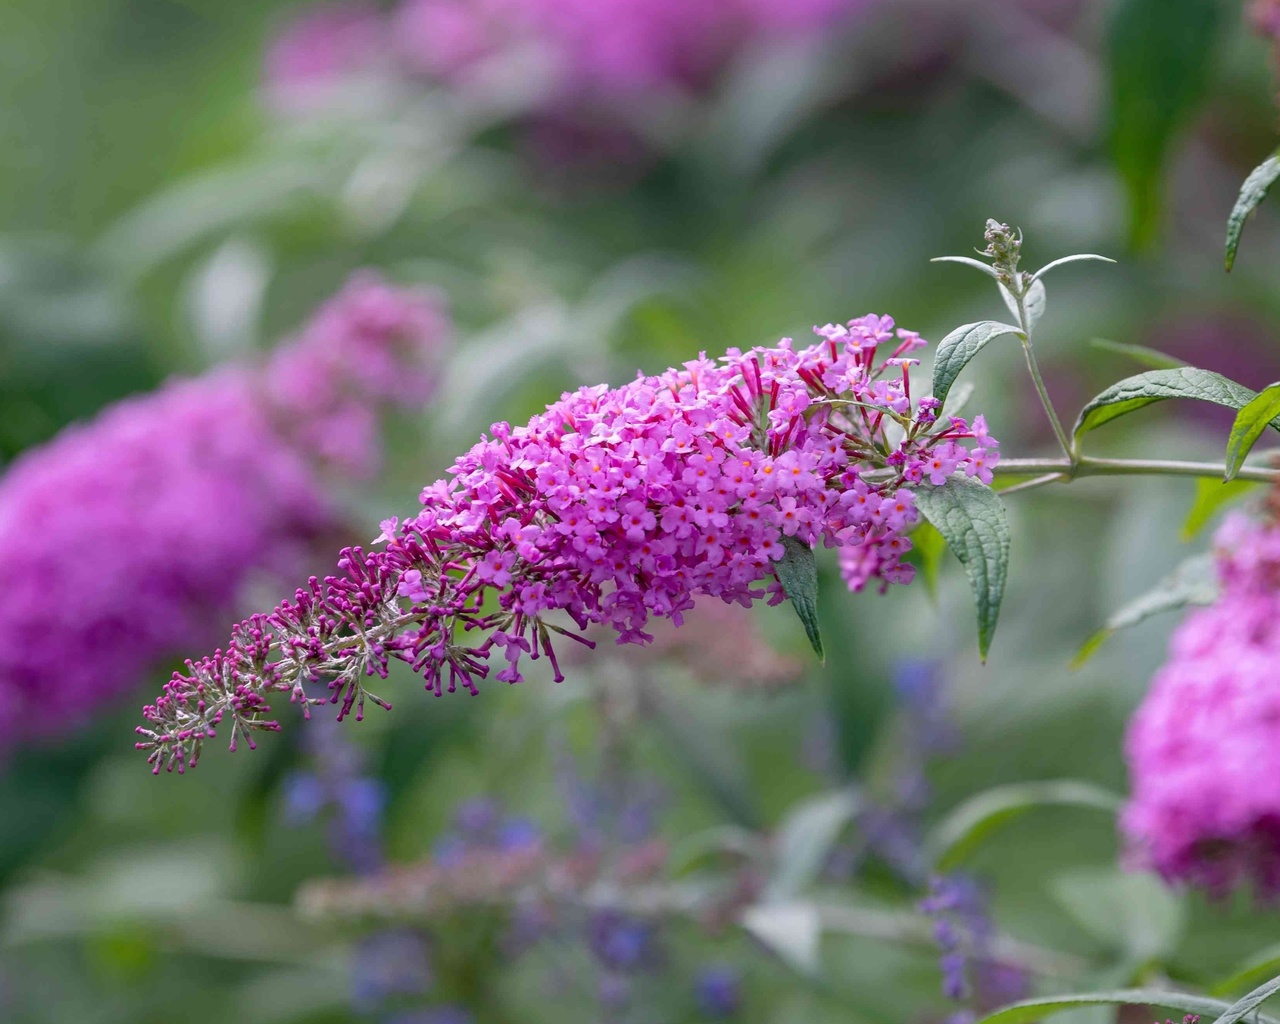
{"x": 1204, "y": 747}
{"x": 124, "y": 536}
{"x": 615, "y": 506}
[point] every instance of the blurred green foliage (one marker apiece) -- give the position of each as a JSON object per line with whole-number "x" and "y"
{"x": 154, "y": 219}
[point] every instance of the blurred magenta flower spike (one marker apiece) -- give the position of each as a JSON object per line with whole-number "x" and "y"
{"x": 615, "y": 506}
{"x": 1204, "y": 747}
{"x": 123, "y": 536}
{"x": 610, "y": 48}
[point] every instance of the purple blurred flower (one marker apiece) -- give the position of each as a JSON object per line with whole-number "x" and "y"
{"x": 962, "y": 930}
{"x": 718, "y": 991}
{"x": 124, "y": 536}
{"x": 387, "y": 965}
{"x": 622, "y": 942}
{"x": 434, "y": 1015}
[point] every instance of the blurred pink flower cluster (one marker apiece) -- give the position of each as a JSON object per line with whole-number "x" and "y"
{"x": 614, "y": 506}
{"x": 1204, "y": 747}
{"x": 123, "y": 537}
{"x": 591, "y": 50}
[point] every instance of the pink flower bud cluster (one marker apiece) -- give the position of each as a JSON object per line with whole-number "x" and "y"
{"x": 615, "y": 506}
{"x": 123, "y": 536}
{"x": 1204, "y": 747}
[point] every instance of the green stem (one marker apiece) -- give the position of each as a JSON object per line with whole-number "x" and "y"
{"x": 1065, "y": 469}
{"x": 1020, "y": 294}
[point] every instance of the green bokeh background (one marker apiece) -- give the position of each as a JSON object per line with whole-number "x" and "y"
{"x": 125, "y": 898}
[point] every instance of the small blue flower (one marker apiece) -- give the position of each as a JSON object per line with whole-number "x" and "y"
{"x": 718, "y": 991}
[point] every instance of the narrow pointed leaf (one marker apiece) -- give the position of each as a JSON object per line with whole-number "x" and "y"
{"x": 791, "y": 930}
{"x": 961, "y": 345}
{"x": 1194, "y": 582}
{"x": 968, "y": 261}
{"x": 973, "y": 522}
{"x": 1252, "y": 192}
{"x": 1070, "y": 259}
{"x": 1263, "y": 964}
{"x": 1033, "y": 302}
{"x": 1159, "y": 56}
{"x": 1030, "y": 1010}
{"x": 1250, "y": 422}
{"x": 1149, "y": 357}
{"x": 804, "y": 840}
{"x": 1212, "y": 495}
{"x": 1246, "y": 1005}
{"x": 798, "y": 573}
{"x": 1156, "y": 386}
{"x": 967, "y": 827}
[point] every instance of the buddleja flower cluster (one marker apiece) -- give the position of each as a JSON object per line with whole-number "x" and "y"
{"x": 1204, "y": 747}
{"x": 123, "y": 536}
{"x": 615, "y": 506}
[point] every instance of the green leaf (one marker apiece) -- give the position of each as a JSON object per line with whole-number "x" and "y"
{"x": 1193, "y": 582}
{"x": 1149, "y": 357}
{"x": 798, "y": 573}
{"x": 961, "y": 345}
{"x": 1069, "y": 259}
{"x": 1250, "y": 422}
{"x": 1156, "y": 386}
{"x": 1033, "y": 303}
{"x": 929, "y": 547}
{"x": 972, "y": 521}
{"x": 1030, "y": 1010}
{"x": 1211, "y": 495}
{"x": 1263, "y": 964}
{"x": 1159, "y": 56}
{"x": 804, "y": 841}
{"x": 1252, "y": 192}
{"x": 965, "y": 828}
{"x": 1245, "y": 1005}
{"x": 1136, "y": 915}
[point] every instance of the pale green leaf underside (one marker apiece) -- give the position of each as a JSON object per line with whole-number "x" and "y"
{"x": 972, "y": 521}
{"x": 1053, "y": 264}
{"x": 960, "y": 346}
{"x": 965, "y": 828}
{"x": 1246, "y": 1005}
{"x": 804, "y": 841}
{"x": 1194, "y": 582}
{"x": 1030, "y": 1010}
{"x": 1252, "y": 192}
{"x": 1033, "y": 303}
{"x": 1156, "y": 386}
